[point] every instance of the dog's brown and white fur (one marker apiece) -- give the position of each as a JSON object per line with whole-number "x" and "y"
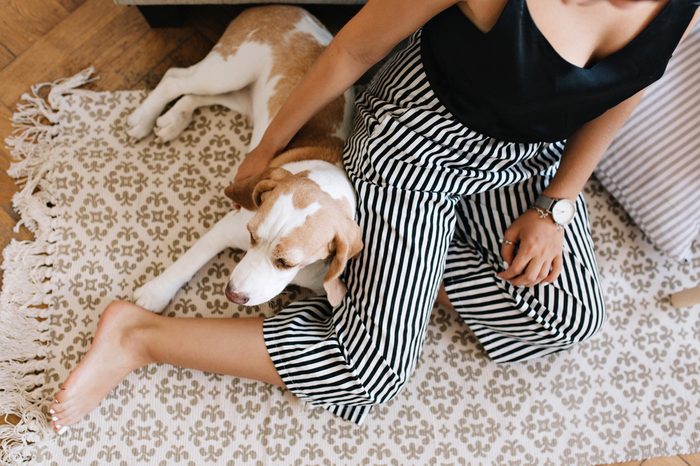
{"x": 296, "y": 218}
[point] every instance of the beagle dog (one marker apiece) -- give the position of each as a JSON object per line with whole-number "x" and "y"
{"x": 295, "y": 220}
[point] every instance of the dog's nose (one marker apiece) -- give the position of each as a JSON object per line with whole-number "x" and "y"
{"x": 232, "y": 296}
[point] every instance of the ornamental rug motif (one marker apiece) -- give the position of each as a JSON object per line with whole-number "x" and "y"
{"x": 123, "y": 211}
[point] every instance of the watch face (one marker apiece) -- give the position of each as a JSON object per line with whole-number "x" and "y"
{"x": 563, "y": 211}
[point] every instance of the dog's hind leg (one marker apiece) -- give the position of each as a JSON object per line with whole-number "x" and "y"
{"x": 175, "y": 120}
{"x": 229, "y": 232}
{"x": 178, "y": 72}
{"x": 215, "y": 74}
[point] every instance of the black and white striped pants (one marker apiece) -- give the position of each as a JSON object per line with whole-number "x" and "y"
{"x": 434, "y": 198}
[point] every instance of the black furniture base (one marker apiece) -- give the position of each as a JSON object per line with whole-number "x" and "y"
{"x": 163, "y": 16}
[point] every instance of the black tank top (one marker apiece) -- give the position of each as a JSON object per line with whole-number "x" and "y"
{"x": 509, "y": 83}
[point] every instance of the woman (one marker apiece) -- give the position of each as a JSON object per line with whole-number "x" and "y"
{"x": 469, "y": 151}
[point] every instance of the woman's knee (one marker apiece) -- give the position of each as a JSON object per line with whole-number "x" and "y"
{"x": 580, "y": 317}
{"x": 383, "y": 393}
{"x": 570, "y": 317}
{"x": 382, "y": 377}
{"x": 354, "y": 385}
{"x": 595, "y": 313}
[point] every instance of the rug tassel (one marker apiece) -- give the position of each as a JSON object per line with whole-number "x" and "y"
{"x": 27, "y": 269}
{"x": 30, "y": 144}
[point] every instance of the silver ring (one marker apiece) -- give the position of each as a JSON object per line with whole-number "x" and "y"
{"x": 505, "y": 241}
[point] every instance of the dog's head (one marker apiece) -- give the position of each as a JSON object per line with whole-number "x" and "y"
{"x": 295, "y": 224}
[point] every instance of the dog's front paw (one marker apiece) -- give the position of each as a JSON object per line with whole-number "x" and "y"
{"x": 170, "y": 125}
{"x": 154, "y": 295}
{"x": 140, "y": 123}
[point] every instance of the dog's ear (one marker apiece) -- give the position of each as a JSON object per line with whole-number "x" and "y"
{"x": 248, "y": 193}
{"x": 347, "y": 243}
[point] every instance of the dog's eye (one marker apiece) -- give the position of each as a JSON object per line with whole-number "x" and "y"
{"x": 282, "y": 264}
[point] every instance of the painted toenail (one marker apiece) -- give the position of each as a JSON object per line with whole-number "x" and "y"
{"x": 54, "y": 418}
{"x": 58, "y": 425}
{"x": 62, "y": 430}
{"x": 52, "y": 411}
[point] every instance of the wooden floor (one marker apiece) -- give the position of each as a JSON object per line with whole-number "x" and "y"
{"x": 43, "y": 40}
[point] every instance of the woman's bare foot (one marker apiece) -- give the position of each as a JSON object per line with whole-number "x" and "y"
{"x": 116, "y": 351}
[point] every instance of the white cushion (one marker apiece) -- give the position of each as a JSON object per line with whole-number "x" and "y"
{"x": 652, "y": 167}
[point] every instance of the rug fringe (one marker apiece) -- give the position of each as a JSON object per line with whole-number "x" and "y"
{"x": 27, "y": 268}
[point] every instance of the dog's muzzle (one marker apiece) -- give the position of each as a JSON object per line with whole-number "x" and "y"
{"x": 234, "y": 297}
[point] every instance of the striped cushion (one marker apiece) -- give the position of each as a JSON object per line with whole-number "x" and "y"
{"x": 653, "y": 166}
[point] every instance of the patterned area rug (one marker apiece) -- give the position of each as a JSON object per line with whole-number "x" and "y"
{"x": 120, "y": 212}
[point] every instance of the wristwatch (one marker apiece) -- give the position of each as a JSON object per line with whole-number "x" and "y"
{"x": 562, "y": 210}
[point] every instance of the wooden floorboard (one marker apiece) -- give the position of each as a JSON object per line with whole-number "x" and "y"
{"x": 190, "y": 51}
{"x": 43, "y": 40}
{"x": 692, "y": 460}
{"x": 8, "y": 217}
{"x": 71, "y": 5}
{"x": 681, "y": 460}
{"x": 5, "y": 129}
{"x": 60, "y": 51}
{"x": 124, "y": 59}
{"x": 5, "y": 56}
{"x": 7, "y": 190}
{"x": 23, "y": 22}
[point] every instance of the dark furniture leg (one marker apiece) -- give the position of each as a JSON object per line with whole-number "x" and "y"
{"x": 163, "y": 16}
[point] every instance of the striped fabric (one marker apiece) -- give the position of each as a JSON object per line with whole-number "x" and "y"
{"x": 652, "y": 167}
{"x": 434, "y": 198}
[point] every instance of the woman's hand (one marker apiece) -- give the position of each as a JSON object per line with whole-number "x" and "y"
{"x": 537, "y": 247}
{"x": 254, "y": 163}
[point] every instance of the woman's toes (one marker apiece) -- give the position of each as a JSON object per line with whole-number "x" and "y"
{"x": 59, "y": 418}
{"x": 60, "y": 398}
{"x": 57, "y": 426}
{"x": 55, "y": 409}
{"x": 61, "y": 430}
{"x": 60, "y": 403}
{"x": 66, "y": 411}
{"x": 70, "y": 420}
{"x": 56, "y": 416}
{"x": 92, "y": 380}
{"x": 59, "y": 411}
{"x": 61, "y": 395}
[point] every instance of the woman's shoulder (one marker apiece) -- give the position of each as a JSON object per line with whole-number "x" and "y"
{"x": 694, "y": 20}
{"x": 482, "y": 13}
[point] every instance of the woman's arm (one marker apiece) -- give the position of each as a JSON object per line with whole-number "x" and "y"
{"x": 368, "y": 37}
{"x": 586, "y": 146}
{"x": 533, "y": 252}
{"x": 538, "y": 258}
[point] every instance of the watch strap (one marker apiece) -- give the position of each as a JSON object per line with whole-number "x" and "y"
{"x": 545, "y": 202}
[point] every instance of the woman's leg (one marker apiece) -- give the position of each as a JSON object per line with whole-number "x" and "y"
{"x": 362, "y": 352}
{"x": 129, "y": 337}
{"x": 443, "y": 299}
{"x": 348, "y": 358}
{"x": 516, "y": 323}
